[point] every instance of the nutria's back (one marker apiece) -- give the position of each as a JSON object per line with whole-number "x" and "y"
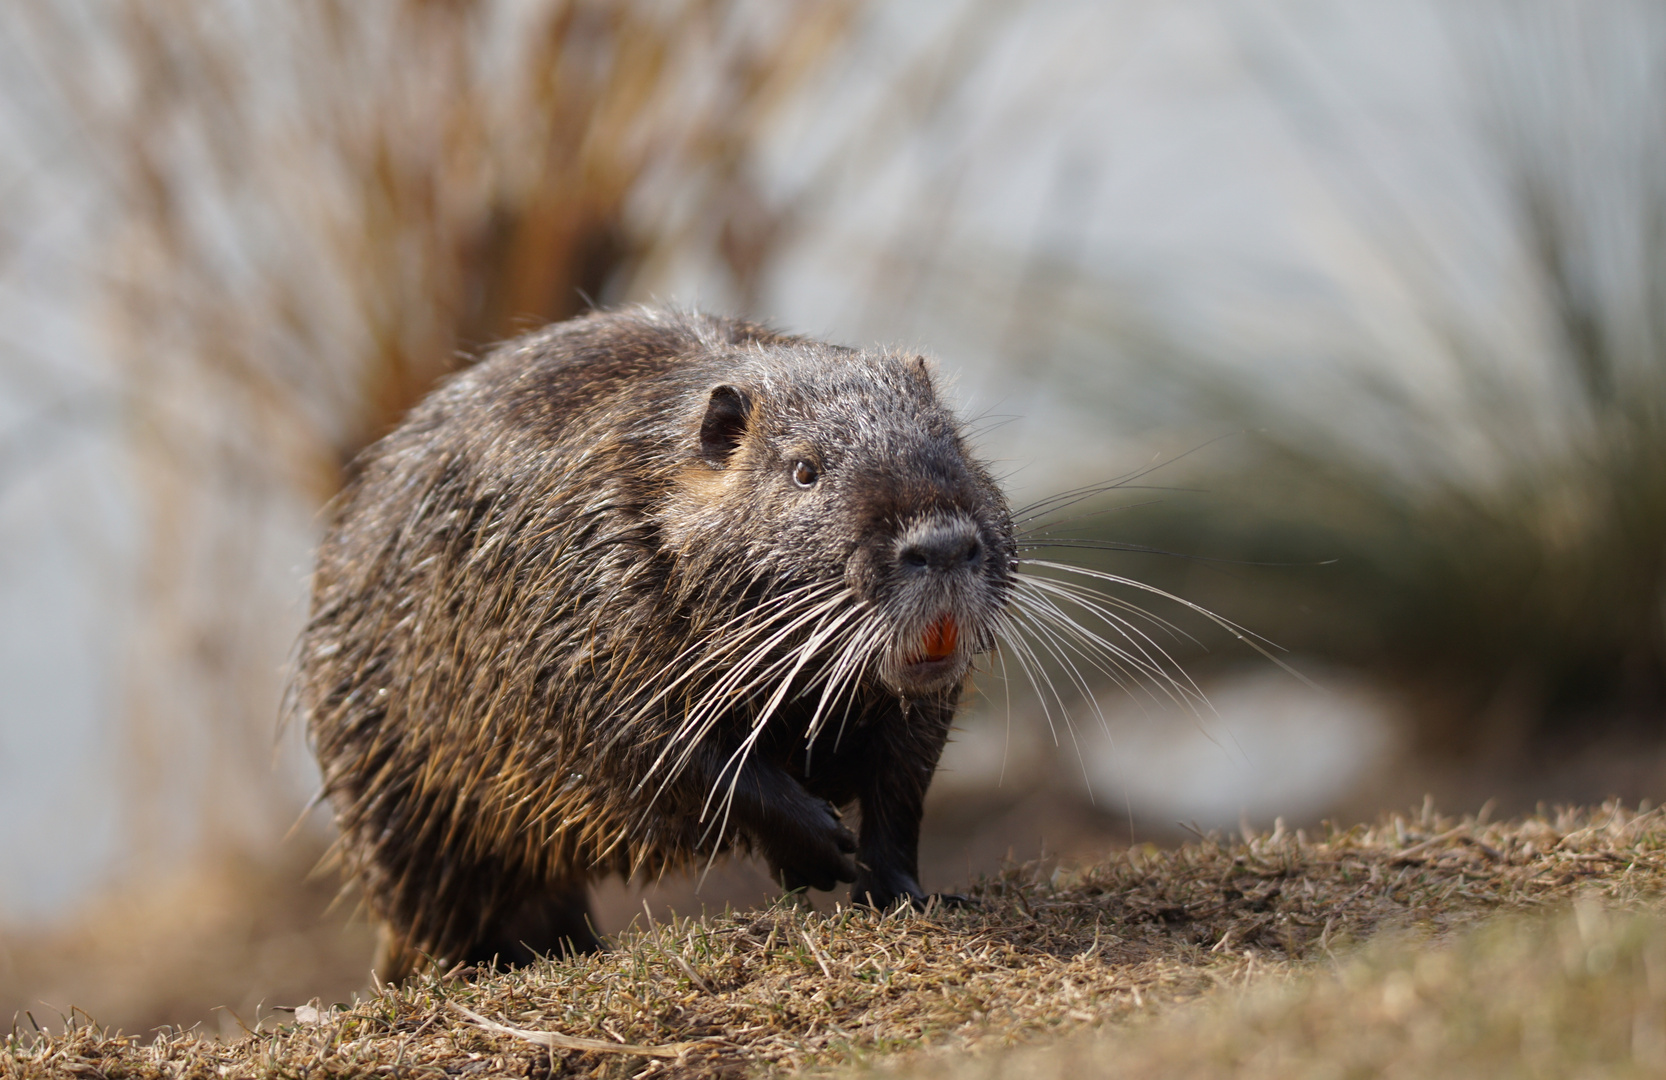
{"x": 636, "y": 588}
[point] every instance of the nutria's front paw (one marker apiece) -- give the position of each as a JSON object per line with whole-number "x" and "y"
{"x": 817, "y": 853}
{"x": 886, "y": 891}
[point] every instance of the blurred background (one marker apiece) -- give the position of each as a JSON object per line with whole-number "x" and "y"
{"x": 1363, "y": 305}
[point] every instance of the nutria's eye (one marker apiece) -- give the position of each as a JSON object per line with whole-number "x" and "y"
{"x": 805, "y": 474}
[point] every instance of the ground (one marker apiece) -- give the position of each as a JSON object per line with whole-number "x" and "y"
{"x": 1420, "y": 945}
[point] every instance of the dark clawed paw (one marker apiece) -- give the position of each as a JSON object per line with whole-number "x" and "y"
{"x": 823, "y": 879}
{"x": 884, "y": 898}
{"x": 888, "y": 899}
{"x": 795, "y": 887}
{"x": 820, "y": 857}
{"x": 843, "y": 838}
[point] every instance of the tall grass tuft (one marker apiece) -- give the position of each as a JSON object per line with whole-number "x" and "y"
{"x": 312, "y": 212}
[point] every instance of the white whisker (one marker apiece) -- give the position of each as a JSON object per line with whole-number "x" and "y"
{"x": 1057, "y": 649}
{"x": 1166, "y": 673}
{"x": 779, "y": 621}
{"x": 1032, "y": 665}
{"x": 1248, "y": 637}
{"x": 1111, "y": 601}
{"x": 706, "y": 709}
{"x": 840, "y": 676}
{"x": 738, "y": 759}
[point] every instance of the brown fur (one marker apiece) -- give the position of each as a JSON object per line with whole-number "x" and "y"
{"x": 531, "y": 588}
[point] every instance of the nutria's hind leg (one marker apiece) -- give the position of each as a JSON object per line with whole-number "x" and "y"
{"x": 557, "y": 924}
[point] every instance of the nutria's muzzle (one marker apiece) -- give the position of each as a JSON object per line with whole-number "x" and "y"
{"x": 944, "y": 597}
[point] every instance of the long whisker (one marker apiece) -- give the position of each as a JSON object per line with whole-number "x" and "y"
{"x": 733, "y": 768}
{"x": 1006, "y": 748}
{"x": 842, "y": 677}
{"x": 1105, "y": 605}
{"x": 869, "y": 648}
{"x": 1059, "y": 649}
{"x": 1070, "y": 497}
{"x": 1161, "y": 671}
{"x": 704, "y": 710}
{"x": 1027, "y": 542}
{"x": 1248, "y": 637}
{"x": 1007, "y": 634}
{"x": 1041, "y": 508}
{"x": 778, "y": 623}
{"x": 1044, "y": 524}
{"x": 730, "y": 636}
{"x": 1172, "y": 671}
{"x": 1031, "y": 539}
{"x": 731, "y": 687}
{"x": 1112, "y": 667}
{"x": 1032, "y": 666}
{"x": 823, "y": 631}
{"x": 737, "y": 760}
{"x": 730, "y": 640}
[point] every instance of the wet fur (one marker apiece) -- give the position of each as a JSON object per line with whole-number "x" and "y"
{"x": 574, "y": 618}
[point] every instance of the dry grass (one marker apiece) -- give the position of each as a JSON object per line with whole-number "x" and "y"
{"x": 1042, "y": 954}
{"x": 202, "y": 944}
{"x": 1580, "y": 994}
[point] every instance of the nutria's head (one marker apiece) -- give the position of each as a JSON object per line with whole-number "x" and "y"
{"x": 831, "y": 468}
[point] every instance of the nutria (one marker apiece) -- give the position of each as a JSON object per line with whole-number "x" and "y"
{"x": 633, "y": 590}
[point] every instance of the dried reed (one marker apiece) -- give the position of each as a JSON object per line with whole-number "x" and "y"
{"x": 315, "y": 211}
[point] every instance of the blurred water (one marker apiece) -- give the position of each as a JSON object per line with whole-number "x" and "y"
{"x": 1271, "y": 746}
{"x": 1265, "y": 745}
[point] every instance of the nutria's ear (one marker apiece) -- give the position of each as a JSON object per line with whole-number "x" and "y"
{"x": 725, "y": 423}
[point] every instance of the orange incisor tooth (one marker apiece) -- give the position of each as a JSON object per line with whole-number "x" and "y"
{"x": 940, "y": 639}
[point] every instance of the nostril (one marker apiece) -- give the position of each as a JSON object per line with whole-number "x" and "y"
{"x": 941, "y": 547}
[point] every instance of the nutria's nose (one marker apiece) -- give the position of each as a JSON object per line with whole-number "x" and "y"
{"x": 940, "y": 545}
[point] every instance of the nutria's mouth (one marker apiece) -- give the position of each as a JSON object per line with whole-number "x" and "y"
{"x": 936, "y": 656}
{"x": 938, "y": 644}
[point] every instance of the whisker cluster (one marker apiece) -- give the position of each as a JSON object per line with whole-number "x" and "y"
{"x": 814, "y": 639}
{"x": 1066, "y": 630}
